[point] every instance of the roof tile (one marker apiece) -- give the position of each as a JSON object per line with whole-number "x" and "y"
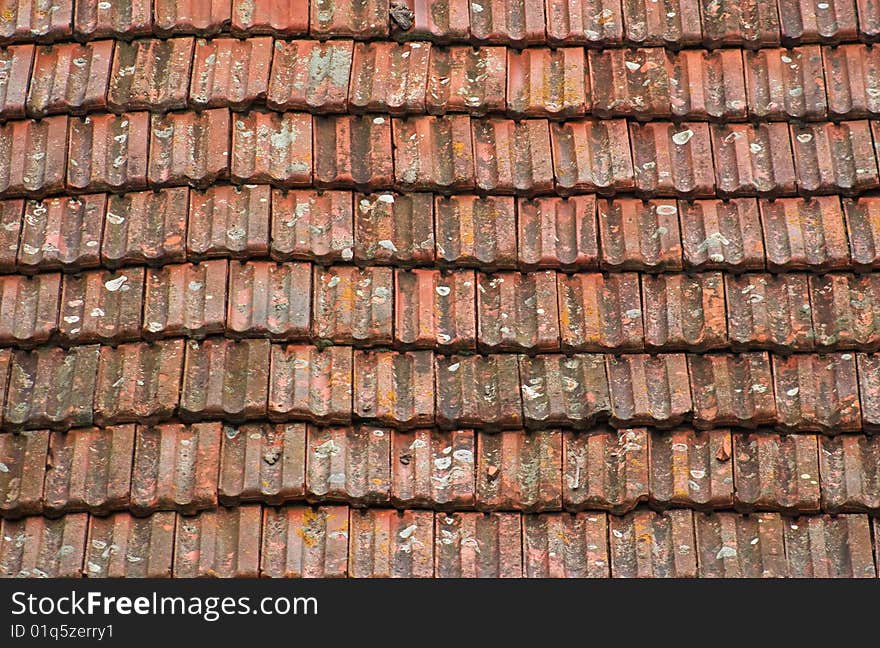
{"x": 312, "y": 383}
{"x": 785, "y": 83}
{"x": 108, "y": 152}
{"x": 101, "y": 18}
{"x": 51, "y": 387}
{"x": 353, "y": 305}
{"x": 123, "y": 546}
{"x": 592, "y": 155}
{"x": 66, "y": 78}
{"x": 846, "y": 311}
{"x": 869, "y": 19}
{"x": 305, "y": 542}
{"x": 545, "y": 82}
{"x": 478, "y": 545}
{"x": 824, "y": 546}
{"x": 394, "y": 228}
{"x": 776, "y": 472}
{"x": 605, "y": 470}
{"x": 748, "y": 23}
{"x": 11, "y": 212}
{"x": 269, "y": 299}
{"x": 176, "y": 467}
{"x": 361, "y": 19}
{"x": 191, "y": 16}
{"x": 479, "y": 391}
{"x": 389, "y": 77}
{"x": 721, "y": 235}
{"x": 691, "y": 468}
{"x": 476, "y": 231}
{"x": 560, "y": 545}
{"x": 145, "y": 227}
{"x": 809, "y": 21}
{"x": 353, "y": 151}
{"x": 672, "y": 23}
{"x": 817, "y": 393}
{"x": 185, "y": 300}
{"x": 268, "y": 147}
{"x": 102, "y": 306}
{"x": 29, "y": 308}
{"x": 189, "y": 147}
{"x": 734, "y": 390}
{"x": 706, "y": 84}
{"x": 684, "y": 312}
{"x": 151, "y": 74}
{"x": 584, "y": 22}
{"x": 435, "y": 309}
{"x": 467, "y": 79}
{"x": 289, "y": 18}
{"x": 509, "y": 22}
{"x": 600, "y": 312}
{"x": 869, "y": 384}
{"x": 567, "y": 390}
{"x": 394, "y": 388}
{"x": 391, "y": 544}
{"x": 639, "y": 235}
{"x": 433, "y": 153}
{"x": 852, "y": 73}
{"x": 38, "y": 547}
{"x": 665, "y": 404}
{"x": 225, "y": 378}
{"x": 766, "y": 311}
{"x": 519, "y": 471}
{"x": 753, "y": 159}
{"x": 263, "y": 463}
{"x": 804, "y": 234}
{"x": 310, "y": 75}
{"x": 24, "y": 457}
{"x": 349, "y": 464}
{"x": 138, "y": 382}
{"x": 738, "y": 546}
{"x": 672, "y": 159}
{"x": 834, "y": 158}
{"x": 863, "y": 230}
{"x": 33, "y": 156}
{"x": 35, "y": 21}
{"x": 311, "y": 225}
{"x": 433, "y": 469}
{"x": 558, "y": 232}
{"x": 512, "y": 156}
{"x": 517, "y": 311}
{"x": 850, "y": 470}
{"x": 230, "y": 72}
{"x": 630, "y": 83}
{"x": 645, "y": 544}
{"x": 222, "y": 543}
{"x": 438, "y": 20}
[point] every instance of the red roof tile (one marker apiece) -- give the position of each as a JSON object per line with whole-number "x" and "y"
{"x": 753, "y": 160}
{"x": 814, "y": 20}
{"x": 600, "y": 312}
{"x": 844, "y": 308}
{"x": 222, "y": 543}
{"x": 852, "y": 73}
{"x": 394, "y": 388}
{"x": 869, "y": 384}
{"x": 435, "y": 309}
{"x": 186, "y": 299}
{"x": 476, "y": 231}
{"x": 645, "y": 544}
{"x": 123, "y": 546}
{"x": 557, "y": 233}
{"x": 630, "y": 83}
{"x": 433, "y": 153}
{"x": 353, "y": 151}
{"x": 863, "y": 230}
{"x": 353, "y": 305}
{"x": 102, "y": 306}
{"x": 559, "y": 545}
{"x": 108, "y": 152}
{"x": 349, "y": 464}
{"x": 514, "y": 22}
{"x": 269, "y": 299}
{"x": 767, "y": 311}
{"x": 29, "y": 308}
{"x": 312, "y": 383}
{"x": 517, "y": 311}
{"x": 748, "y": 23}
{"x": 785, "y": 83}
{"x": 776, "y": 472}
{"x": 268, "y": 147}
{"x": 466, "y": 79}
{"x": 311, "y": 225}
{"x": 391, "y": 544}
{"x": 394, "y": 228}
{"x": 35, "y": 21}
{"x": 834, "y": 158}
{"x": 230, "y": 72}
{"x": 672, "y": 159}
{"x": 638, "y": 235}
{"x": 592, "y": 155}
{"x": 11, "y": 212}
{"x": 649, "y": 390}
{"x": 202, "y": 17}
{"x": 361, "y": 19}
{"x": 548, "y": 82}
{"x": 691, "y": 468}
{"x": 299, "y": 541}
{"x": 66, "y": 78}
{"x": 684, "y": 312}
{"x": 477, "y": 390}
{"x": 23, "y": 457}
{"x": 145, "y": 227}
{"x": 804, "y": 234}
{"x": 477, "y": 545}
{"x": 829, "y": 547}
{"x": 310, "y": 75}
{"x": 280, "y": 17}
{"x": 433, "y": 469}
{"x": 737, "y": 546}
{"x": 189, "y": 148}
{"x": 721, "y": 235}
{"x": 670, "y": 23}
{"x": 579, "y": 22}
{"x": 512, "y": 156}
{"x": 38, "y": 547}
{"x": 389, "y": 77}
{"x": 705, "y": 84}
{"x": 151, "y": 74}
{"x": 33, "y": 155}
{"x": 564, "y": 390}
{"x": 850, "y": 471}
{"x": 100, "y": 18}
{"x": 732, "y": 390}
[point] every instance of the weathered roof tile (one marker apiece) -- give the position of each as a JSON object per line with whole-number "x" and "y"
{"x": 649, "y": 389}
{"x": 66, "y": 78}
{"x": 645, "y": 544}
{"x": 753, "y": 159}
{"x": 478, "y": 391}
{"x": 361, "y": 19}
{"x": 151, "y": 74}
{"x": 850, "y": 469}
{"x": 29, "y": 308}
{"x": 478, "y": 545}
{"x": 269, "y": 299}
{"x": 691, "y": 468}
{"x": 785, "y": 83}
{"x": 288, "y": 18}
{"x": 560, "y": 545}
{"x": 394, "y": 388}
{"x": 187, "y": 299}
{"x": 230, "y": 72}
{"x": 433, "y": 308}
{"x": 466, "y": 79}
{"x": 349, "y": 464}
{"x": 305, "y": 542}
{"x": 824, "y": 546}
{"x": 145, "y": 227}
{"x": 600, "y": 312}
{"x": 584, "y": 22}
{"x": 108, "y": 152}
{"x": 766, "y": 311}
{"x": 738, "y": 546}
{"x": 564, "y": 390}
{"x": 311, "y": 383}
{"x": 706, "y": 84}
{"x": 268, "y": 147}
{"x": 548, "y": 82}
{"x": 734, "y": 390}
{"x": 517, "y": 311}
{"x": 353, "y": 151}
{"x": 102, "y": 306}
{"x": 433, "y": 469}
{"x": 684, "y": 312}
{"x": 38, "y": 547}
{"x": 312, "y": 225}
{"x": 630, "y": 83}
{"x": 24, "y": 457}
{"x": 804, "y": 234}
{"x": 219, "y": 543}
{"x": 310, "y": 75}
{"x": 202, "y": 17}
{"x": 592, "y": 155}
{"x": 670, "y": 23}
{"x": 123, "y": 546}
{"x": 639, "y": 235}
{"x": 512, "y": 156}
{"x": 391, "y": 544}
{"x": 558, "y": 232}
{"x": 353, "y": 305}
{"x": 33, "y": 155}
{"x": 834, "y": 158}
{"x": 476, "y": 231}
{"x": 433, "y": 153}
{"x": 721, "y": 235}
{"x": 776, "y": 472}
{"x": 389, "y": 77}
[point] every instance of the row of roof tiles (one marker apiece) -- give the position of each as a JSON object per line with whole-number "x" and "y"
{"x": 676, "y": 23}
{"x": 807, "y": 83}
{"x": 419, "y": 229}
{"x": 455, "y": 310}
{"x": 251, "y": 379}
{"x": 188, "y": 468}
{"x": 425, "y": 153}
{"x": 335, "y": 541}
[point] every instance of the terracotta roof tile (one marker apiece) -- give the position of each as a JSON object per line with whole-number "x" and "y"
{"x": 600, "y": 312}
{"x": 310, "y": 75}
{"x": 850, "y": 470}
{"x": 785, "y": 83}
{"x": 389, "y": 77}
{"x": 353, "y": 305}
{"x": 776, "y": 472}
{"x": 691, "y": 468}
{"x": 684, "y": 312}
{"x": 564, "y": 390}
{"x": 138, "y": 382}
{"x": 747, "y": 23}
{"x": 24, "y": 457}
{"x": 433, "y": 153}
{"x": 353, "y": 151}
{"x": 263, "y": 463}
{"x": 225, "y": 378}
{"x": 349, "y": 464}
{"x": 517, "y": 311}
{"x": 394, "y": 228}
{"x": 605, "y": 470}
{"x": 649, "y": 389}
{"x": 38, "y": 547}
{"x": 101, "y": 18}
{"x": 823, "y": 546}
{"x": 672, "y": 159}
{"x": 844, "y": 308}
{"x": 753, "y": 160}
{"x": 123, "y": 546}
{"x": 869, "y": 384}
{"x": 312, "y": 383}
{"x": 467, "y": 79}
{"x": 311, "y": 225}
{"x": 804, "y": 234}
{"x": 433, "y": 469}
{"x": 852, "y": 73}
{"x": 645, "y": 544}
{"x": 394, "y": 388}
{"x": 361, "y": 19}
{"x": 834, "y": 158}
{"x": 437, "y": 20}
{"x": 145, "y": 227}
{"x": 512, "y": 156}
{"x": 519, "y": 471}
{"x": 268, "y": 147}
{"x": 559, "y": 545}
{"x": 767, "y": 311}
{"x": 584, "y": 22}
{"x": 51, "y": 387}
{"x": 186, "y": 299}
{"x": 102, "y": 306}
{"x": 435, "y": 309}
{"x": 548, "y": 82}
{"x": 638, "y": 235}
{"x": 869, "y": 19}
{"x": 478, "y": 545}
{"x": 89, "y": 469}
{"x": 721, "y": 235}
{"x": 817, "y": 393}
{"x": 738, "y": 546}
{"x": 151, "y": 74}
{"x": 269, "y": 299}
{"x": 391, "y": 544}
{"x": 11, "y": 212}
{"x": 38, "y": 21}
{"x": 223, "y": 543}
{"x": 863, "y": 230}
{"x": 732, "y": 390}
{"x": 108, "y": 152}
{"x": 34, "y": 156}
{"x": 189, "y": 148}
{"x": 630, "y": 83}
{"x": 230, "y": 72}
{"x": 190, "y": 16}
{"x": 289, "y": 18}
{"x": 299, "y": 541}
{"x": 557, "y": 232}
{"x": 66, "y": 78}
{"x": 476, "y": 231}
{"x": 808, "y": 21}
{"x": 29, "y": 308}
{"x": 514, "y": 22}
{"x": 676, "y": 22}
{"x": 478, "y": 391}
{"x": 592, "y": 155}
{"x": 705, "y": 84}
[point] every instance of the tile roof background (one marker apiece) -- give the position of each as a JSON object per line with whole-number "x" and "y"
{"x": 468, "y": 288}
